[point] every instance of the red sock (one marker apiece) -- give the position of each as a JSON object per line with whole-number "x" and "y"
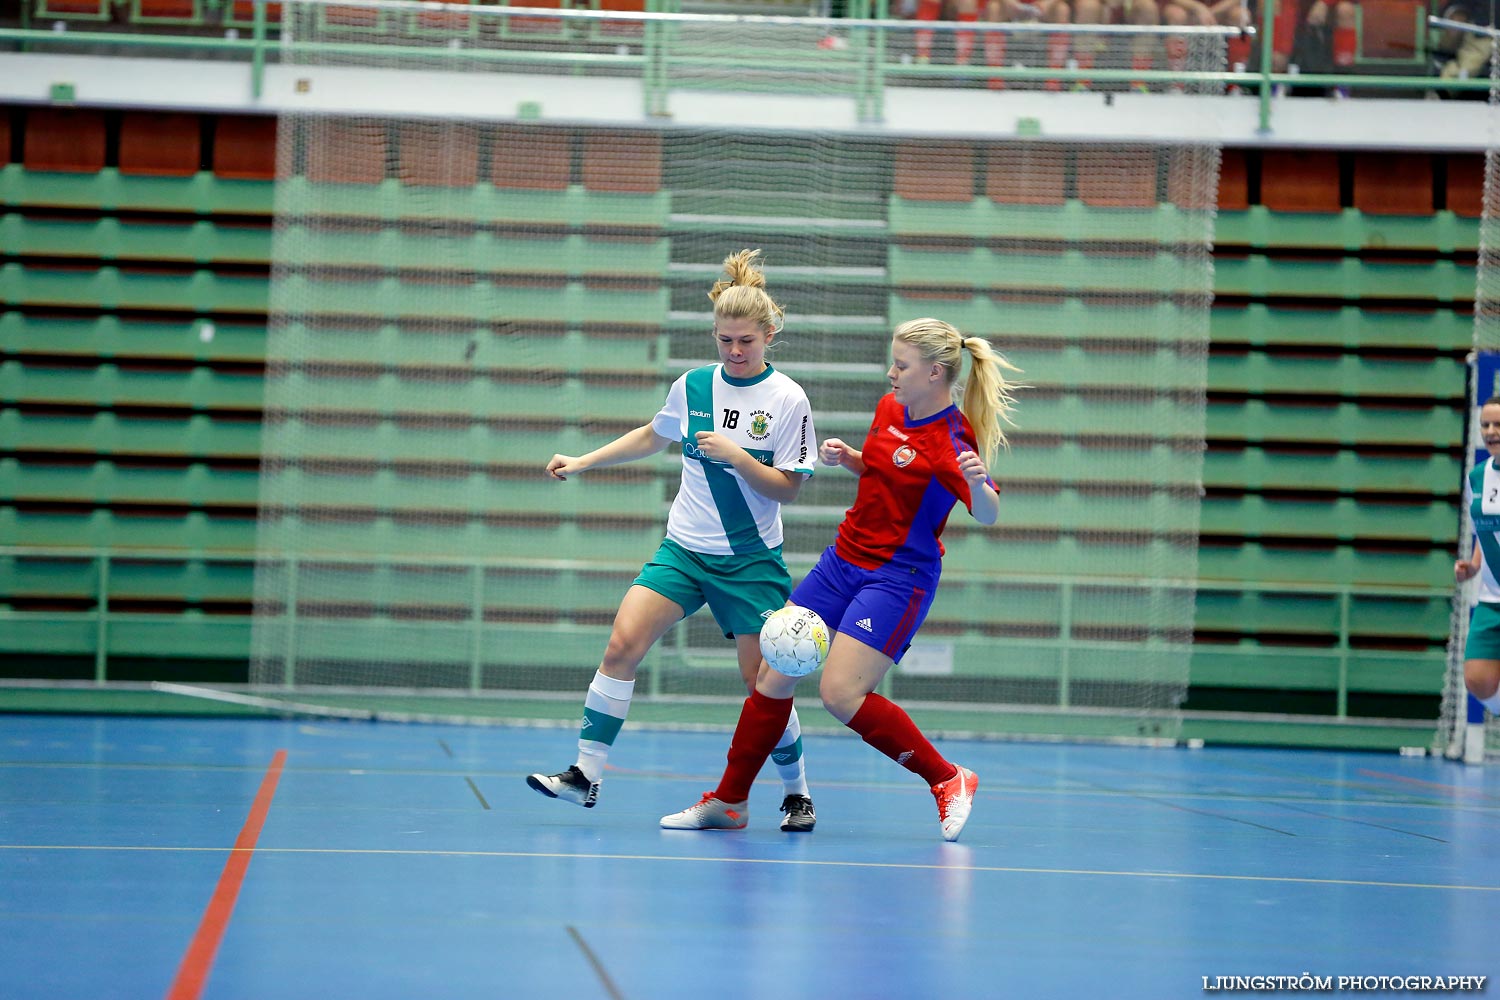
{"x": 927, "y": 10}
{"x": 762, "y": 721}
{"x": 994, "y": 55}
{"x": 1058, "y": 47}
{"x": 888, "y": 729}
{"x": 1345, "y": 44}
{"x": 963, "y": 41}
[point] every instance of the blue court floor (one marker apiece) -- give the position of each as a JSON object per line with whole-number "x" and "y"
{"x": 380, "y": 860}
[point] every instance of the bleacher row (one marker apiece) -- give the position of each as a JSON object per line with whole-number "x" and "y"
{"x": 157, "y": 15}
{"x": 134, "y": 258}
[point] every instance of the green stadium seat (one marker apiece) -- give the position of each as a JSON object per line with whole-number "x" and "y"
{"x": 1291, "y": 420}
{"x": 108, "y": 482}
{"x": 99, "y": 528}
{"x": 1440, "y": 378}
{"x": 1248, "y": 466}
{"x": 1343, "y": 518}
{"x": 111, "y": 384}
{"x": 1348, "y": 327}
{"x": 109, "y": 433}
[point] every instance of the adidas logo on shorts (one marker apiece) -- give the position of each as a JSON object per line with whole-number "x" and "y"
{"x": 864, "y": 623}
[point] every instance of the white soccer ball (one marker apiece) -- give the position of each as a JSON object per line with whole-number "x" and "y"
{"x": 794, "y": 641}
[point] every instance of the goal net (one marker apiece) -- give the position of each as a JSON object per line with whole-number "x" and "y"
{"x": 1464, "y": 732}
{"x": 509, "y": 257}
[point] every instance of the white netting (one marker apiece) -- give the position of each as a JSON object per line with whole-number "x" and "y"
{"x": 456, "y": 299}
{"x": 1452, "y": 737}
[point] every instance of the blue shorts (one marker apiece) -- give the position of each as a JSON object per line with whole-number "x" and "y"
{"x": 882, "y": 608}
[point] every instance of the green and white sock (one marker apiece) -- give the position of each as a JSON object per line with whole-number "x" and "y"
{"x": 788, "y": 758}
{"x": 604, "y": 711}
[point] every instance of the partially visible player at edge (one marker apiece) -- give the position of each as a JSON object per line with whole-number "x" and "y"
{"x": 1482, "y": 650}
{"x": 746, "y": 433}
{"x": 876, "y": 582}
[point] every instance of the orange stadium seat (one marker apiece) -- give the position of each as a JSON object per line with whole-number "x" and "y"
{"x": 439, "y": 155}
{"x": 346, "y": 152}
{"x": 172, "y": 11}
{"x": 163, "y": 145}
{"x": 1118, "y": 178}
{"x": 534, "y": 25}
{"x": 536, "y": 158}
{"x": 4, "y": 138}
{"x": 1465, "y": 189}
{"x": 1234, "y": 181}
{"x": 65, "y": 140}
{"x": 1297, "y": 181}
{"x": 622, "y": 27}
{"x": 245, "y": 148}
{"x": 624, "y": 162}
{"x": 1029, "y": 174}
{"x": 243, "y": 12}
{"x": 936, "y": 171}
{"x": 1393, "y": 184}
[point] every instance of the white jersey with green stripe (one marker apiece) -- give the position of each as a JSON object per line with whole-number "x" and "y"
{"x": 1482, "y": 494}
{"x": 716, "y": 512}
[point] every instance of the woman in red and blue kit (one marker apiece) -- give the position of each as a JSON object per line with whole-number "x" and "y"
{"x": 875, "y": 583}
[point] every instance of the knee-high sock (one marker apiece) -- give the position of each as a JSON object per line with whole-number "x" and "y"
{"x": 604, "y": 711}
{"x": 1345, "y": 47}
{"x": 788, "y": 758}
{"x": 762, "y": 720}
{"x": 927, "y": 10}
{"x": 963, "y": 41}
{"x": 884, "y": 726}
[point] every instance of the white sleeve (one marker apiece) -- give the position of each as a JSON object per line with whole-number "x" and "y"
{"x": 670, "y": 421}
{"x": 796, "y": 441}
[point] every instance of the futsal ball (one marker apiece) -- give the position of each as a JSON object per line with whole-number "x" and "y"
{"x": 794, "y": 641}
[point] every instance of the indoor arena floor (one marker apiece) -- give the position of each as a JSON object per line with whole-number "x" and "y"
{"x": 271, "y": 859}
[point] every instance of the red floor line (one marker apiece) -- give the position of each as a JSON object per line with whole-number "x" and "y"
{"x": 192, "y": 974}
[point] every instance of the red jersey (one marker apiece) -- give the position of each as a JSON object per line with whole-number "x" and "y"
{"x": 910, "y": 483}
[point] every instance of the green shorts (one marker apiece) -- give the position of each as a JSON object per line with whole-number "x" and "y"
{"x": 1484, "y": 633}
{"x": 739, "y": 590}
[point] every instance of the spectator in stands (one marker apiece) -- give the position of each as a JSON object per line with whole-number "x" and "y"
{"x": 874, "y": 585}
{"x": 1462, "y": 55}
{"x": 746, "y": 434}
{"x": 1482, "y": 494}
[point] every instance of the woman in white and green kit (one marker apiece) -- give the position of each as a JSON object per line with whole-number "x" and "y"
{"x": 1482, "y": 493}
{"x": 747, "y": 445}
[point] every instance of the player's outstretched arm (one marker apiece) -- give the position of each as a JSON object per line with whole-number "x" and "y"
{"x": 984, "y": 502}
{"x": 628, "y": 447}
{"x": 834, "y": 451}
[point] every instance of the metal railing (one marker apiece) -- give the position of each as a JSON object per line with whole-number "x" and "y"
{"x": 865, "y": 50}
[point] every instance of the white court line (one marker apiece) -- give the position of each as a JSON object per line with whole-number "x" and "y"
{"x": 904, "y": 866}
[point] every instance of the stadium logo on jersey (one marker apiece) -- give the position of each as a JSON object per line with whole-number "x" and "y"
{"x": 903, "y": 456}
{"x": 760, "y": 425}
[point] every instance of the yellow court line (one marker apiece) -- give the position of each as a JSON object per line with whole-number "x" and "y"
{"x": 908, "y": 866}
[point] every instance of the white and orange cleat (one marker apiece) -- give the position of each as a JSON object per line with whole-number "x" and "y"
{"x": 710, "y": 814}
{"x": 955, "y": 797}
